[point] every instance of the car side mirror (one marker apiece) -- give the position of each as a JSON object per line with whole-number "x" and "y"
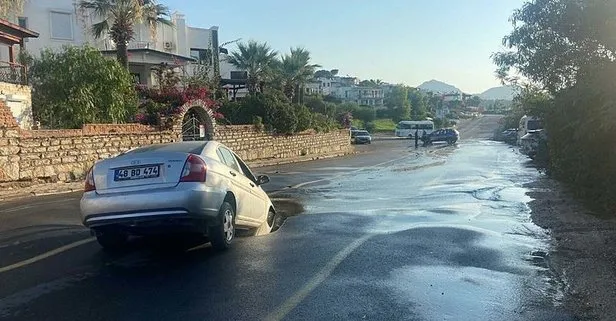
{"x": 262, "y": 179}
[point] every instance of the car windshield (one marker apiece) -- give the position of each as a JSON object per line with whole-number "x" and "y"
{"x": 307, "y": 160}
{"x": 535, "y": 124}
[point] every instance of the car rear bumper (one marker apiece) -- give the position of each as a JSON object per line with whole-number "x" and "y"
{"x": 184, "y": 202}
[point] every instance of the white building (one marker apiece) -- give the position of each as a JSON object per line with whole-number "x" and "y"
{"x": 367, "y": 96}
{"x": 61, "y": 22}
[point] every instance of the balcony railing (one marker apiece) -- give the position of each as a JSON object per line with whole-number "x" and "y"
{"x": 13, "y": 73}
{"x": 107, "y": 44}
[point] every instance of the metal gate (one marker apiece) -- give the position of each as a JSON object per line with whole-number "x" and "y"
{"x": 192, "y": 127}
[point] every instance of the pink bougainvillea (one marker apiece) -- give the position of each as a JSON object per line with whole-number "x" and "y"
{"x": 170, "y": 101}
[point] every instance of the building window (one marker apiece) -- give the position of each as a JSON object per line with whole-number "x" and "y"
{"x": 203, "y": 56}
{"x": 61, "y": 25}
{"x": 22, "y": 22}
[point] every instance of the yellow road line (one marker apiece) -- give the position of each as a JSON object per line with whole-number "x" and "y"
{"x": 45, "y": 255}
{"x": 313, "y": 283}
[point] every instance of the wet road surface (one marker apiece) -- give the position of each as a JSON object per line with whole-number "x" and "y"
{"x": 393, "y": 233}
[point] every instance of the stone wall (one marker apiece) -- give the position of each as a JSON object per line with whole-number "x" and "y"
{"x": 65, "y": 155}
{"x": 252, "y": 145}
{"x": 53, "y": 155}
{"x": 19, "y": 100}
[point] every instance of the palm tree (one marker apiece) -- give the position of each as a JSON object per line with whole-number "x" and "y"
{"x": 121, "y": 16}
{"x": 9, "y": 8}
{"x": 257, "y": 59}
{"x": 297, "y": 71}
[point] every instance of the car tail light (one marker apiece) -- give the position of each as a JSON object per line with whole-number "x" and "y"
{"x": 194, "y": 169}
{"x": 90, "y": 186}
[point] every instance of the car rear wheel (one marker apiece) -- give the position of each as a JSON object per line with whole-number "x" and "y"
{"x": 222, "y": 234}
{"x": 112, "y": 240}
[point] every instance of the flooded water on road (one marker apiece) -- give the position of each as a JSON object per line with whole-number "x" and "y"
{"x": 455, "y": 232}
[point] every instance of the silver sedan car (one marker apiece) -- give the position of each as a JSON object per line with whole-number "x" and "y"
{"x": 200, "y": 188}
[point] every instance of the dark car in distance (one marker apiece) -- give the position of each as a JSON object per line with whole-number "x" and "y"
{"x": 448, "y": 135}
{"x": 362, "y": 137}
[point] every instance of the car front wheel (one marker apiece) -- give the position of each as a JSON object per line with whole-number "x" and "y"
{"x": 221, "y": 235}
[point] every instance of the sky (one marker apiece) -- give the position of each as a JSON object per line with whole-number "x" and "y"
{"x": 397, "y": 41}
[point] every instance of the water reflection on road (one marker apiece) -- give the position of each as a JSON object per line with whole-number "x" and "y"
{"x": 452, "y": 235}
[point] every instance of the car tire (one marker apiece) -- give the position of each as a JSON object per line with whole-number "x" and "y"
{"x": 112, "y": 240}
{"x": 269, "y": 225}
{"x": 221, "y": 235}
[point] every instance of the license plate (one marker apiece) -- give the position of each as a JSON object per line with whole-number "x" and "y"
{"x": 125, "y": 174}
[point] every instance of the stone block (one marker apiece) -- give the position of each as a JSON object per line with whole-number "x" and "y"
{"x": 69, "y": 159}
{"x": 9, "y": 150}
{"x": 11, "y": 133}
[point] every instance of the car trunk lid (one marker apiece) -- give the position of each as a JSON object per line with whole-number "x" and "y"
{"x": 139, "y": 171}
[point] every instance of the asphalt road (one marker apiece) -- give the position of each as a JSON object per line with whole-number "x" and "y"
{"x": 393, "y": 233}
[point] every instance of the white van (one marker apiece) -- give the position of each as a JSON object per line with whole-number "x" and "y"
{"x": 528, "y": 124}
{"x": 407, "y": 128}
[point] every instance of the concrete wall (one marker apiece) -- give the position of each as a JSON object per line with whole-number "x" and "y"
{"x": 65, "y": 155}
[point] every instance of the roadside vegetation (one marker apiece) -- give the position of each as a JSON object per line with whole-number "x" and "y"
{"x": 566, "y": 51}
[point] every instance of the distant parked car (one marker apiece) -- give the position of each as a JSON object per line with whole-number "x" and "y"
{"x": 509, "y": 136}
{"x": 196, "y": 188}
{"x": 448, "y": 135}
{"x": 530, "y": 143}
{"x": 362, "y": 137}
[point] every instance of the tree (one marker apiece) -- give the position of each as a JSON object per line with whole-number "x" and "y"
{"x": 77, "y": 85}
{"x": 296, "y": 70}
{"x": 568, "y": 48}
{"x": 419, "y": 102}
{"x": 398, "y": 102}
{"x": 554, "y": 40}
{"x": 258, "y": 59}
{"x": 474, "y": 101}
{"x": 119, "y": 18}
{"x": 9, "y": 8}
{"x": 371, "y": 83}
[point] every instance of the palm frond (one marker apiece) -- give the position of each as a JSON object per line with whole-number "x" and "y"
{"x": 98, "y": 29}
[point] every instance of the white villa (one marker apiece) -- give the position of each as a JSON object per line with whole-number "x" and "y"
{"x": 61, "y": 22}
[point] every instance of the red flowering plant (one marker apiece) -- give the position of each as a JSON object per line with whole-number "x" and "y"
{"x": 170, "y": 101}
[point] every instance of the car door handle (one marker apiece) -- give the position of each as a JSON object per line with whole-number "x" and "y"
{"x": 252, "y": 184}
{"x": 232, "y": 173}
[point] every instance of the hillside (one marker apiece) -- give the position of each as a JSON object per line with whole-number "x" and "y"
{"x": 436, "y": 86}
{"x": 498, "y": 93}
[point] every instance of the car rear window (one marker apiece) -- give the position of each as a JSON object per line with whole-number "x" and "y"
{"x": 183, "y": 147}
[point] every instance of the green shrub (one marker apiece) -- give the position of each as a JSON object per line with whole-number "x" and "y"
{"x": 283, "y": 118}
{"x": 304, "y": 118}
{"x": 323, "y": 123}
{"x": 370, "y": 127}
{"x": 367, "y": 114}
{"x": 258, "y": 122}
{"x": 77, "y": 85}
